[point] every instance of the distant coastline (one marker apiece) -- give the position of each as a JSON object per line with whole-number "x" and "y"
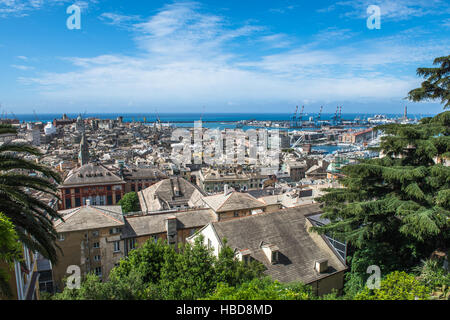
{"x": 176, "y": 117}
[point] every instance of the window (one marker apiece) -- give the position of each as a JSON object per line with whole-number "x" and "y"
{"x": 109, "y": 200}
{"x": 95, "y": 233}
{"x": 67, "y": 191}
{"x": 115, "y": 230}
{"x": 98, "y": 271}
{"x": 116, "y": 246}
{"x": 209, "y": 244}
{"x": 118, "y": 197}
{"x": 274, "y": 257}
{"x": 61, "y": 237}
{"x": 97, "y": 258}
{"x": 96, "y": 245}
{"x": 236, "y": 214}
{"x": 108, "y": 188}
{"x": 132, "y": 244}
{"x": 155, "y": 238}
{"x": 77, "y": 202}
{"x": 68, "y": 203}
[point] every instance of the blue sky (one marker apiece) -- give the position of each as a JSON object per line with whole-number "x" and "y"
{"x": 217, "y": 56}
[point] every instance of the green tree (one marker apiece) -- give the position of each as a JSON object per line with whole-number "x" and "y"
{"x": 394, "y": 210}
{"x": 229, "y": 270}
{"x": 262, "y": 289}
{"x": 190, "y": 274}
{"x": 10, "y": 250}
{"x": 437, "y": 84}
{"x": 146, "y": 260}
{"x": 158, "y": 271}
{"x": 130, "y": 202}
{"x": 32, "y": 218}
{"x": 396, "y": 286}
{"x": 433, "y": 274}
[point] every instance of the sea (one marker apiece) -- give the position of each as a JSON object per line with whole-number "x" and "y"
{"x": 221, "y": 120}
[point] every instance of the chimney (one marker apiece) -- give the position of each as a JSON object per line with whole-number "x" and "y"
{"x": 271, "y": 251}
{"x": 171, "y": 228}
{"x": 321, "y": 265}
{"x": 225, "y": 189}
{"x": 244, "y": 255}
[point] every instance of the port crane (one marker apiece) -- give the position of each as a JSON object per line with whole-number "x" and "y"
{"x": 300, "y": 117}
{"x": 294, "y": 118}
{"x": 317, "y": 123}
{"x": 337, "y": 117}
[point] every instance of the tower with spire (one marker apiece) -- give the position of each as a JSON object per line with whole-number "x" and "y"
{"x": 83, "y": 156}
{"x": 80, "y": 124}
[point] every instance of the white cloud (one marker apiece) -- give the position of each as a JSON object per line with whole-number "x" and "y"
{"x": 21, "y": 67}
{"x": 118, "y": 19}
{"x": 20, "y": 8}
{"x": 186, "y": 59}
{"x": 392, "y": 9}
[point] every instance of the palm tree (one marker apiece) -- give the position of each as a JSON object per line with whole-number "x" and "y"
{"x": 32, "y": 218}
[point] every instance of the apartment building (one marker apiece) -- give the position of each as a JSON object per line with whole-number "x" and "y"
{"x": 172, "y": 193}
{"x": 23, "y": 276}
{"x": 231, "y": 204}
{"x": 213, "y": 180}
{"x": 90, "y": 238}
{"x": 93, "y": 182}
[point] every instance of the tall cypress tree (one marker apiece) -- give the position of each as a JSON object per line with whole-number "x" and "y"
{"x": 394, "y": 210}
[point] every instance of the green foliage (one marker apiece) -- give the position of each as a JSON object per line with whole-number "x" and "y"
{"x": 190, "y": 274}
{"x": 379, "y": 254}
{"x": 396, "y": 286}
{"x": 147, "y": 261}
{"x": 10, "y": 250}
{"x": 31, "y": 217}
{"x": 394, "y": 211}
{"x": 158, "y": 271}
{"x": 262, "y": 289}
{"x": 437, "y": 83}
{"x": 433, "y": 275}
{"x": 130, "y": 202}
{"x": 233, "y": 272}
